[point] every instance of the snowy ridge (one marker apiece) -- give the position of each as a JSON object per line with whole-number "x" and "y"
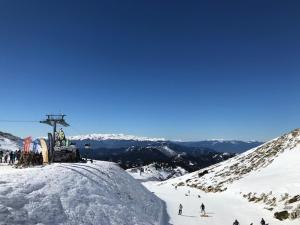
{"x": 155, "y": 172}
{"x": 268, "y": 174}
{"x": 6, "y": 144}
{"x": 163, "y": 149}
{"x": 9, "y": 142}
{"x": 113, "y": 137}
{"x": 95, "y": 194}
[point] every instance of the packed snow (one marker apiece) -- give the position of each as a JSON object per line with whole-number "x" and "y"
{"x": 259, "y": 183}
{"x": 79, "y": 193}
{"x": 221, "y": 208}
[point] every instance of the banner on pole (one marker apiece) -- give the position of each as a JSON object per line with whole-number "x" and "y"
{"x": 27, "y": 142}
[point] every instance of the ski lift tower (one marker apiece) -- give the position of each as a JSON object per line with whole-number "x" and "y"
{"x": 53, "y": 120}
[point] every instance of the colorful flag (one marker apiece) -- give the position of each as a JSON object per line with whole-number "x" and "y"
{"x": 27, "y": 142}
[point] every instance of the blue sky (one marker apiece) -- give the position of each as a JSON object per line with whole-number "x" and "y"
{"x": 181, "y": 70}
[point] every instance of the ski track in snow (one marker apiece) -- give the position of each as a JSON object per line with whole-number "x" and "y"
{"x": 222, "y": 208}
{"x": 94, "y": 194}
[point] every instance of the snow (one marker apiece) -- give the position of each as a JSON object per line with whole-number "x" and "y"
{"x": 269, "y": 174}
{"x": 113, "y": 137}
{"x": 100, "y": 193}
{"x": 281, "y": 176}
{"x": 222, "y": 208}
{"x": 151, "y": 173}
{"x": 7, "y": 144}
{"x": 168, "y": 151}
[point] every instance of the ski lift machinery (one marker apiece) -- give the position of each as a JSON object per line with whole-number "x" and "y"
{"x": 59, "y": 153}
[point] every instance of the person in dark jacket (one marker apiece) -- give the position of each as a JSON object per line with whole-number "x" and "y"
{"x": 180, "y": 209}
{"x": 1, "y": 155}
{"x": 5, "y": 158}
{"x": 263, "y": 222}
{"x": 202, "y": 209}
{"x": 11, "y": 156}
{"x": 236, "y": 222}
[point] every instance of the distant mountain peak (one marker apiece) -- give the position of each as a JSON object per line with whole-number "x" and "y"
{"x": 125, "y": 137}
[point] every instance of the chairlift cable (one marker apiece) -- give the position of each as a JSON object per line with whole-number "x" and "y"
{"x": 19, "y": 121}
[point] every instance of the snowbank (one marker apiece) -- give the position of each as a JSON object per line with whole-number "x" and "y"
{"x": 99, "y": 193}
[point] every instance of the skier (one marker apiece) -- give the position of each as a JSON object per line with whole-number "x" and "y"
{"x": 180, "y": 209}
{"x": 1, "y": 155}
{"x": 263, "y": 222}
{"x": 11, "y": 156}
{"x": 5, "y": 158}
{"x": 202, "y": 209}
{"x": 236, "y": 222}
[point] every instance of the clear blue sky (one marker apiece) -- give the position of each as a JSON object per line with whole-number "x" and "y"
{"x": 186, "y": 70}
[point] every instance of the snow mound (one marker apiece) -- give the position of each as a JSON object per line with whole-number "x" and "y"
{"x": 99, "y": 193}
{"x": 102, "y": 137}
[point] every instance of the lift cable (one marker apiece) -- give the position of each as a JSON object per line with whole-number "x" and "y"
{"x": 19, "y": 121}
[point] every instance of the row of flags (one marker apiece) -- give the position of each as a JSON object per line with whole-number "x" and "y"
{"x": 29, "y": 145}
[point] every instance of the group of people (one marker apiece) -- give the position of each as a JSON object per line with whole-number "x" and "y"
{"x": 262, "y": 222}
{"x": 203, "y": 213}
{"x": 202, "y": 207}
{"x": 10, "y": 157}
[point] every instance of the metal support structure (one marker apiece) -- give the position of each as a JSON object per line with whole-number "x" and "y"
{"x": 53, "y": 120}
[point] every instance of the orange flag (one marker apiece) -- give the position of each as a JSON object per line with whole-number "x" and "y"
{"x": 27, "y": 142}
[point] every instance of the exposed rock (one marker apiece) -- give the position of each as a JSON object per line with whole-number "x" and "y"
{"x": 281, "y": 215}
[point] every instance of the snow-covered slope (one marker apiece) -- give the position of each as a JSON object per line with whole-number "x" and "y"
{"x": 268, "y": 175}
{"x": 101, "y": 137}
{"x": 154, "y": 172}
{"x": 164, "y": 149}
{"x": 9, "y": 142}
{"x": 99, "y": 193}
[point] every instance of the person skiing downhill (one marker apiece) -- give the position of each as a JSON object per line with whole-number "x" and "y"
{"x": 236, "y": 222}
{"x": 202, "y": 209}
{"x": 180, "y": 209}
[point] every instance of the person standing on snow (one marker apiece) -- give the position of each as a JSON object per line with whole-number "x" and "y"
{"x": 5, "y": 158}
{"x": 180, "y": 209}
{"x": 11, "y": 156}
{"x": 202, "y": 209}
{"x": 263, "y": 222}
{"x": 236, "y": 222}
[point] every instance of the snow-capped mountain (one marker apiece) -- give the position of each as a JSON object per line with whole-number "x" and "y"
{"x": 155, "y": 172}
{"x": 220, "y": 145}
{"x": 121, "y": 137}
{"x": 9, "y": 142}
{"x": 74, "y": 193}
{"x": 267, "y": 175}
{"x": 112, "y": 141}
{"x": 164, "y": 149}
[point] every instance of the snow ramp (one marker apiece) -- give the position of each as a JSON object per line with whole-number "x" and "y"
{"x": 100, "y": 193}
